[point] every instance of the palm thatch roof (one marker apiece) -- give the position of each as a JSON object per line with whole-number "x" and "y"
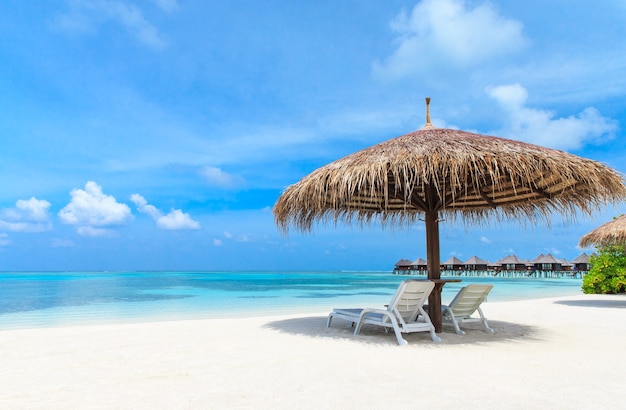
{"x": 453, "y": 173}
{"x": 453, "y": 261}
{"x": 611, "y": 233}
{"x": 511, "y": 260}
{"x": 475, "y": 260}
{"x": 403, "y": 263}
{"x": 582, "y": 258}
{"x": 419, "y": 262}
{"x": 545, "y": 259}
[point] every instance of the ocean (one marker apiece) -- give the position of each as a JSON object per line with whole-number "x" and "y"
{"x": 49, "y": 299}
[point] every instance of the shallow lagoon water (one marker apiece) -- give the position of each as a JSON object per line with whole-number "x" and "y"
{"x": 44, "y": 299}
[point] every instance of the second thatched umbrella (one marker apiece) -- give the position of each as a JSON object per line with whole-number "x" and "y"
{"x": 611, "y": 233}
{"x": 434, "y": 173}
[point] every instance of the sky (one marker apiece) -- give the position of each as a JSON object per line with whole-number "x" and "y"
{"x": 158, "y": 134}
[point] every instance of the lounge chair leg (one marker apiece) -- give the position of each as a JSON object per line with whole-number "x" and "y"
{"x": 457, "y": 329}
{"x": 434, "y": 336}
{"x": 330, "y": 318}
{"x": 484, "y": 320}
{"x": 401, "y": 341}
{"x": 487, "y": 328}
{"x": 396, "y": 330}
{"x": 357, "y": 328}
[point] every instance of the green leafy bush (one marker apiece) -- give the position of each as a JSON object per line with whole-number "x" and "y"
{"x": 608, "y": 271}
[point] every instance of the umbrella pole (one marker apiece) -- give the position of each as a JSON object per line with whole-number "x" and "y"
{"x": 434, "y": 269}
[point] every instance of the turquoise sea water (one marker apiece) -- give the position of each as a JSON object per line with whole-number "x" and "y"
{"x": 43, "y": 299}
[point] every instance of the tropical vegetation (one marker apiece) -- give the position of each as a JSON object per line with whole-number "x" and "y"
{"x": 608, "y": 270}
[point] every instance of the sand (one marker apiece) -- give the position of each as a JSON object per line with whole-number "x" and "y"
{"x": 559, "y": 353}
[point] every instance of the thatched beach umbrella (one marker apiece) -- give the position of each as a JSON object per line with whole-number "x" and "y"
{"x": 439, "y": 173}
{"x": 611, "y": 233}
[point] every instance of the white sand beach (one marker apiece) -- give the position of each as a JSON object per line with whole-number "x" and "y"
{"x": 561, "y": 353}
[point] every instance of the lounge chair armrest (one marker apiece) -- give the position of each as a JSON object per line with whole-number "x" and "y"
{"x": 385, "y": 313}
{"x": 374, "y": 310}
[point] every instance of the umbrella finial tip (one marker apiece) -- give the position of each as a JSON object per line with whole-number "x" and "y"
{"x": 428, "y": 123}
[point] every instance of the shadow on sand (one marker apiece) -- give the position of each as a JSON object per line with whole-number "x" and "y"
{"x": 596, "y": 303}
{"x": 315, "y": 326}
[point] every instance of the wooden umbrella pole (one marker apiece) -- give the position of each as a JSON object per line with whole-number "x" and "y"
{"x": 434, "y": 269}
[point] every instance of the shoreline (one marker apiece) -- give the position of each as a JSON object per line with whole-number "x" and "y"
{"x": 29, "y": 301}
{"x": 563, "y": 352}
{"x": 234, "y": 314}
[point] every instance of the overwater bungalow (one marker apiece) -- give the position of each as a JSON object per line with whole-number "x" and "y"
{"x": 581, "y": 263}
{"x": 419, "y": 264}
{"x": 547, "y": 263}
{"x": 403, "y": 266}
{"x": 511, "y": 262}
{"x": 511, "y": 266}
{"x": 453, "y": 264}
{"x": 475, "y": 263}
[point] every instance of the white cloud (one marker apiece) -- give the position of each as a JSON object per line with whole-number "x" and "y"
{"x": 228, "y": 235}
{"x": 91, "y": 208}
{"x": 88, "y": 15}
{"x": 540, "y": 127}
{"x": 485, "y": 240}
{"x": 445, "y": 33}
{"x": 28, "y": 216}
{"x": 509, "y": 96}
{"x": 33, "y": 209}
{"x": 175, "y": 220}
{"x": 217, "y": 242}
{"x": 216, "y": 177}
{"x": 144, "y": 207}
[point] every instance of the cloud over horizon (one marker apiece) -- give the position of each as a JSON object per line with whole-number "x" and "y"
{"x": 28, "y": 216}
{"x": 175, "y": 220}
{"x": 92, "y": 211}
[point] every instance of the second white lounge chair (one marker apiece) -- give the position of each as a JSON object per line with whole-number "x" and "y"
{"x": 401, "y": 314}
{"x": 463, "y": 306}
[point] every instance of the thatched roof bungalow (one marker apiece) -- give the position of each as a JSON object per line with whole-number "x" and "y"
{"x": 547, "y": 263}
{"x": 475, "y": 263}
{"x": 511, "y": 262}
{"x": 581, "y": 262}
{"x": 419, "y": 264}
{"x": 403, "y": 264}
{"x": 453, "y": 263}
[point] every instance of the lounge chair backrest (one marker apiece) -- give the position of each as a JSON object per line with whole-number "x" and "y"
{"x": 469, "y": 299}
{"x": 409, "y": 298}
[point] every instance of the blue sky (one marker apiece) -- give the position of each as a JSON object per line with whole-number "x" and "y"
{"x": 157, "y": 134}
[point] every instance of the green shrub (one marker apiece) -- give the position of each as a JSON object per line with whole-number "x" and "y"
{"x": 608, "y": 271}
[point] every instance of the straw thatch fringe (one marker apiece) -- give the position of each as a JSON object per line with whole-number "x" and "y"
{"x": 455, "y": 173}
{"x": 611, "y": 233}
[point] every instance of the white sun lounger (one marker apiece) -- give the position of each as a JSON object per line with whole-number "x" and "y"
{"x": 463, "y": 306}
{"x": 401, "y": 314}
